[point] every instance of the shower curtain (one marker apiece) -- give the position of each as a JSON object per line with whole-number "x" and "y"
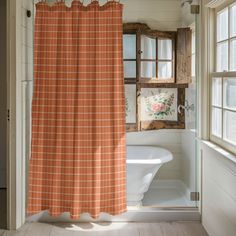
{"x": 78, "y": 159}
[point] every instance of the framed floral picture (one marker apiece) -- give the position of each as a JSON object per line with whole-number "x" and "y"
{"x": 159, "y": 104}
{"x": 153, "y": 87}
{"x": 130, "y": 103}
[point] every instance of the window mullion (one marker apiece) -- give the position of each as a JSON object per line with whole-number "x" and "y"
{"x": 222, "y": 108}
{"x": 224, "y": 74}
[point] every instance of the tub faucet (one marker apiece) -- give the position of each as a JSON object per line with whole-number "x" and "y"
{"x": 186, "y": 107}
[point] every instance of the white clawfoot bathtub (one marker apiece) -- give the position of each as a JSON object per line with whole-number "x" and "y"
{"x": 143, "y": 162}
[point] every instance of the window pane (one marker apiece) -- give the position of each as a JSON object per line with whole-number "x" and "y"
{"x": 222, "y": 56}
{"x": 164, "y": 49}
{"x": 222, "y": 25}
{"x": 130, "y": 103}
{"x": 148, "y": 47}
{"x": 217, "y": 92}
{"x": 230, "y": 93}
{"x": 129, "y": 48}
{"x": 230, "y": 126}
{"x": 233, "y": 55}
{"x": 130, "y": 69}
{"x": 164, "y": 70}
{"x": 148, "y": 69}
{"x": 233, "y": 20}
{"x": 216, "y": 121}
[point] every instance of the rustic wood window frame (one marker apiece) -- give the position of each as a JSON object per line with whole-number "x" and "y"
{"x": 142, "y": 29}
{"x": 158, "y": 35}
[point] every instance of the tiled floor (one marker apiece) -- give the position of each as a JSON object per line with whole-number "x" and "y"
{"x": 110, "y": 229}
{"x": 3, "y": 209}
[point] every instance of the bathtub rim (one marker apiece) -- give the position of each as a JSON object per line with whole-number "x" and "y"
{"x": 159, "y": 161}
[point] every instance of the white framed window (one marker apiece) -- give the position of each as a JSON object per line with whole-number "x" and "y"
{"x": 223, "y": 79}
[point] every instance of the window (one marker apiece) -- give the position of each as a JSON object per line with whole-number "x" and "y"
{"x": 157, "y": 58}
{"x": 130, "y": 59}
{"x": 223, "y": 80}
{"x": 153, "y": 91}
{"x": 226, "y": 39}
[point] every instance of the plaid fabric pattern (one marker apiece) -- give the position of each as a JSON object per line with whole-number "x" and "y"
{"x": 78, "y": 161}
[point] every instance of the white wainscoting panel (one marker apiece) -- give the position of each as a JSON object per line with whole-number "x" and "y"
{"x": 218, "y": 192}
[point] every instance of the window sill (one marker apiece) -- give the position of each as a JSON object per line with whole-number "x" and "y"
{"x": 226, "y": 154}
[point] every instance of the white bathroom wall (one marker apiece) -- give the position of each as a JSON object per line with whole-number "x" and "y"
{"x": 218, "y": 191}
{"x": 158, "y": 14}
{"x": 27, "y": 40}
{"x": 186, "y": 17}
{"x": 27, "y": 74}
{"x": 3, "y": 95}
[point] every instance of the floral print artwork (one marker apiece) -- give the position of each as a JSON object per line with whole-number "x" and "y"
{"x": 158, "y": 104}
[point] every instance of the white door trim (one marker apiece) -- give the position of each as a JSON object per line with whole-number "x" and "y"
{"x": 15, "y": 160}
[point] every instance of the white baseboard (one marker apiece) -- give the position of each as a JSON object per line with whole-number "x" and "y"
{"x": 139, "y": 215}
{"x": 3, "y": 181}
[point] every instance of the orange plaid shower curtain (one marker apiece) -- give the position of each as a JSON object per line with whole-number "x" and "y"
{"x": 78, "y": 159}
